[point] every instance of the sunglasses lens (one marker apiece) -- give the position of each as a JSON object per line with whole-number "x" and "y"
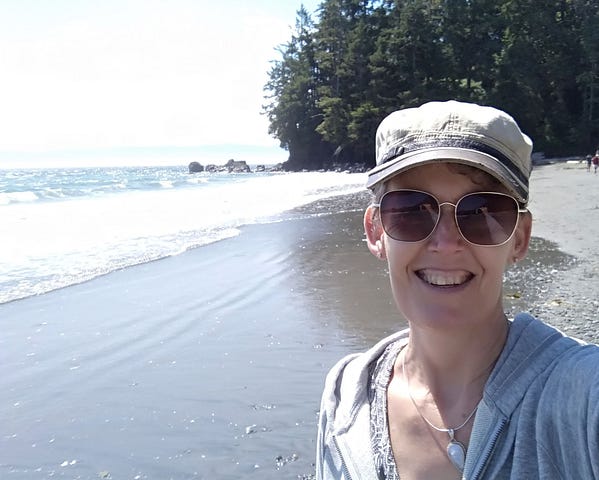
{"x": 408, "y": 216}
{"x": 487, "y": 218}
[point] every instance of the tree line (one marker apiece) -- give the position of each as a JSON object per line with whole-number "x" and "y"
{"x": 341, "y": 73}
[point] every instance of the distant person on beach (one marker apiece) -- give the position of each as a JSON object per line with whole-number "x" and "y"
{"x": 596, "y": 161}
{"x": 464, "y": 392}
{"x": 589, "y": 161}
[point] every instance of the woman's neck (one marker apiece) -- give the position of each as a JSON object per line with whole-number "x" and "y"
{"x": 450, "y": 364}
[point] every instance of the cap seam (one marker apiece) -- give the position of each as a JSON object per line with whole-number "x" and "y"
{"x": 517, "y": 185}
{"x": 465, "y": 143}
{"x": 440, "y": 134}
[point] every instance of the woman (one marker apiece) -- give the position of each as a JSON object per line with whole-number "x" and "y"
{"x": 463, "y": 392}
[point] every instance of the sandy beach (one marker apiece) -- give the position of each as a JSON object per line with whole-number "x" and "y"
{"x": 210, "y": 364}
{"x": 565, "y": 207}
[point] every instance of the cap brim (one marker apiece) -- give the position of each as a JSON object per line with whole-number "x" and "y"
{"x": 465, "y": 156}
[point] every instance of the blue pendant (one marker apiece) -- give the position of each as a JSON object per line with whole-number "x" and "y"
{"x": 456, "y": 454}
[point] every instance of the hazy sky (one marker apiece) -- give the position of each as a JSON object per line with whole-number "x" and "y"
{"x": 79, "y": 74}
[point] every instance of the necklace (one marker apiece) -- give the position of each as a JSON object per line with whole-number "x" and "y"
{"x": 456, "y": 451}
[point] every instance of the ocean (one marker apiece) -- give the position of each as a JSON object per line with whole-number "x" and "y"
{"x": 62, "y": 226}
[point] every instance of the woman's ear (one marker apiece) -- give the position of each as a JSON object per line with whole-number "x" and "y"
{"x": 375, "y": 238}
{"x": 522, "y": 236}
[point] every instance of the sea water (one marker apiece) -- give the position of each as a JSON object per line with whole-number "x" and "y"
{"x": 63, "y": 226}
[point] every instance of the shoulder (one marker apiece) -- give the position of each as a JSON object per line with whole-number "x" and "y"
{"x": 346, "y": 384}
{"x": 559, "y": 351}
{"x": 344, "y": 408}
{"x": 568, "y": 411}
{"x": 565, "y": 369}
{"x": 353, "y": 367}
{"x": 535, "y": 355}
{"x": 576, "y": 372}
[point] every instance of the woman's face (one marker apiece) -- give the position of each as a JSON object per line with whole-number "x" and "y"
{"x": 445, "y": 280}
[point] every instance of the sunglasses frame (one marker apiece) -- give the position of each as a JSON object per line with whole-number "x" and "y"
{"x": 519, "y": 210}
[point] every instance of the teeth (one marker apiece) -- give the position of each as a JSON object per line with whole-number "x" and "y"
{"x": 444, "y": 279}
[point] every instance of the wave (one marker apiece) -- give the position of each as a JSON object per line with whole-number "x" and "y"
{"x": 6, "y": 198}
{"x": 93, "y": 230}
{"x": 91, "y": 266}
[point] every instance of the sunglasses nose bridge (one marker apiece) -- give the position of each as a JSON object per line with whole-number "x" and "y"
{"x": 452, "y": 218}
{"x": 454, "y": 205}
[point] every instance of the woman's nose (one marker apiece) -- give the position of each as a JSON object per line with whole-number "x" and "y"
{"x": 446, "y": 234}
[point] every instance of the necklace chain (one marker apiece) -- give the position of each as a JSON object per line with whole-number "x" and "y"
{"x": 450, "y": 431}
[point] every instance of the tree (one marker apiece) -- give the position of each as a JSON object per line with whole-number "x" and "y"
{"x": 292, "y": 107}
{"x": 537, "y": 68}
{"x": 345, "y": 40}
{"x": 338, "y": 77}
{"x": 471, "y": 35}
{"x": 588, "y": 80}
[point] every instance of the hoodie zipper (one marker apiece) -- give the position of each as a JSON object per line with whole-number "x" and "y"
{"x": 489, "y": 450}
{"x": 344, "y": 469}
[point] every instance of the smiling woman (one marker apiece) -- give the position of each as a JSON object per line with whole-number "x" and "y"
{"x": 464, "y": 392}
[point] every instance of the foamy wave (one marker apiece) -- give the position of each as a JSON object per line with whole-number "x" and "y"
{"x": 101, "y": 229}
{"x": 17, "y": 197}
{"x": 91, "y": 264}
{"x": 54, "y": 193}
{"x": 197, "y": 180}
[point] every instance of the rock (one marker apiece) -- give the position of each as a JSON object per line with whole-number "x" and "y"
{"x": 237, "y": 166}
{"x": 276, "y": 168}
{"x": 195, "y": 167}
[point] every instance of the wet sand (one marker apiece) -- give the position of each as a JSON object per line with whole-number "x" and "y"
{"x": 210, "y": 364}
{"x": 205, "y": 365}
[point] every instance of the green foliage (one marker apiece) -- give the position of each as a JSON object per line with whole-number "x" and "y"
{"x": 339, "y": 76}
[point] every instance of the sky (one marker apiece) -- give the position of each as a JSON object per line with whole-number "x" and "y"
{"x": 108, "y": 74}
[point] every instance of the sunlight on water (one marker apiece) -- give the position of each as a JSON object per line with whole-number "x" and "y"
{"x": 64, "y": 226}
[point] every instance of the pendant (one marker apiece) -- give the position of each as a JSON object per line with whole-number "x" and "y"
{"x": 456, "y": 452}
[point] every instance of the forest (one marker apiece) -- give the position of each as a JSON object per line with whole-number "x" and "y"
{"x": 353, "y": 62}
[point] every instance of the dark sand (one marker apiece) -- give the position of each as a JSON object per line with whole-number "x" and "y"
{"x": 210, "y": 364}
{"x": 205, "y": 365}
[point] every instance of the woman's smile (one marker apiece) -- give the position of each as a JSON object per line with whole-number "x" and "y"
{"x": 445, "y": 279}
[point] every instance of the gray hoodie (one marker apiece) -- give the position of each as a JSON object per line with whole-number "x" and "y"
{"x": 538, "y": 418}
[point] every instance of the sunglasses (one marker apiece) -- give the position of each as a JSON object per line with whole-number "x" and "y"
{"x": 482, "y": 218}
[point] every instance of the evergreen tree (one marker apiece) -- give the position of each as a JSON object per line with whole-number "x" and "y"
{"x": 471, "y": 34}
{"x": 588, "y": 79}
{"x": 536, "y": 71}
{"x": 338, "y": 77}
{"x": 292, "y": 107}
{"x": 345, "y": 41}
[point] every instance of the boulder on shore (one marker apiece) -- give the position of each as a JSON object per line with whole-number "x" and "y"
{"x": 237, "y": 166}
{"x": 211, "y": 168}
{"x": 195, "y": 167}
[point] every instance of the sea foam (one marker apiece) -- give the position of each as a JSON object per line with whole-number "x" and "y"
{"x": 68, "y": 226}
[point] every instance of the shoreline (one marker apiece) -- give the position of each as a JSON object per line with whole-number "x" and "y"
{"x": 219, "y": 353}
{"x": 210, "y": 363}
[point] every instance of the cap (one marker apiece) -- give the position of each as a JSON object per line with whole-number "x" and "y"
{"x": 458, "y": 132}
